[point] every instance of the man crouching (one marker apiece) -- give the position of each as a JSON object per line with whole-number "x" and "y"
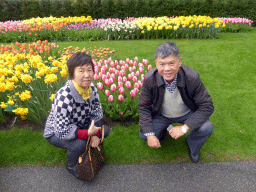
{"x": 174, "y": 93}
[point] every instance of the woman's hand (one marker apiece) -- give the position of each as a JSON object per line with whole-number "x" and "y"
{"x": 93, "y": 129}
{"x": 95, "y": 141}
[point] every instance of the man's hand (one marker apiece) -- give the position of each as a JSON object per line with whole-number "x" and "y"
{"x": 93, "y": 129}
{"x": 153, "y": 142}
{"x": 176, "y": 132}
{"x": 95, "y": 141}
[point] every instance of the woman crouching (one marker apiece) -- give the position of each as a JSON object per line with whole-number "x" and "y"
{"x": 76, "y": 112}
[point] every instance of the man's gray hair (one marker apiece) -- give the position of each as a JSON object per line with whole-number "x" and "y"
{"x": 166, "y": 49}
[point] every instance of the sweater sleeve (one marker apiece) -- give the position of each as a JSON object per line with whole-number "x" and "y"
{"x": 60, "y": 114}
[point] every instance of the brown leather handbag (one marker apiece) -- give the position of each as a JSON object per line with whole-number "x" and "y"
{"x": 91, "y": 160}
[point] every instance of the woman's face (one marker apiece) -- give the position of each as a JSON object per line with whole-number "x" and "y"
{"x": 83, "y": 75}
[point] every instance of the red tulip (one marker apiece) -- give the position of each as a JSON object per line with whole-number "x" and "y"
{"x": 100, "y": 85}
{"x": 110, "y": 98}
{"x": 120, "y": 97}
{"x": 107, "y": 92}
{"x": 121, "y": 90}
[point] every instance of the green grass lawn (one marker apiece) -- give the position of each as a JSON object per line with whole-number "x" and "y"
{"x": 227, "y": 67}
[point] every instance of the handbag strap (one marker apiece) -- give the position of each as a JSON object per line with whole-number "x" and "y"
{"x": 102, "y": 133}
{"x": 101, "y": 140}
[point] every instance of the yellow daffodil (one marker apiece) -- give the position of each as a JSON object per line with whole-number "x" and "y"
{"x": 3, "y": 105}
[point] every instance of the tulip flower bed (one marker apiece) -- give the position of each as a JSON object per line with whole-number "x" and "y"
{"x": 236, "y": 24}
{"x": 32, "y": 73}
{"x": 84, "y": 28}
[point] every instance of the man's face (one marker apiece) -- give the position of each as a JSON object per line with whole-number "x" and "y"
{"x": 168, "y": 67}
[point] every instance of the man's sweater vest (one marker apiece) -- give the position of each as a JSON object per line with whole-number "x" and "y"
{"x": 173, "y": 105}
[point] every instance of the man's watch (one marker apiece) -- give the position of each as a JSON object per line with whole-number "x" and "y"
{"x": 184, "y": 130}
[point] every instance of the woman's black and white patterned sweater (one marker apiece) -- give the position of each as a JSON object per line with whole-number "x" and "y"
{"x": 71, "y": 112}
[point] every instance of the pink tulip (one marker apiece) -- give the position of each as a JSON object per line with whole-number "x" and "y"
{"x": 113, "y": 76}
{"x": 121, "y": 90}
{"x": 104, "y": 77}
{"x": 140, "y": 84}
{"x": 132, "y": 93}
{"x": 100, "y": 85}
{"x": 110, "y": 70}
{"x": 127, "y": 60}
{"x": 137, "y": 73}
{"x": 109, "y": 60}
{"x": 136, "y": 59}
{"x": 107, "y": 82}
{"x": 120, "y": 79}
{"x": 116, "y": 62}
{"x": 110, "y": 98}
{"x": 124, "y": 79}
{"x": 129, "y": 76}
{"x": 141, "y": 70}
{"x": 122, "y": 73}
{"x": 107, "y": 92}
{"x": 99, "y": 64}
{"x": 135, "y": 64}
{"x": 136, "y": 90}
{"x": 130, "y": 69}
{"x": 141, "y": 65}
{"x": 121, "y": 113}
{"x": 116, "y": 72}
{"x": 113, "y": 87}
{"x": 128, "y": 84}
{"x": 149, "y": 67}
{"x": 108, "y": 75}
{"x": 131, "y": 62}
{"x": 112, "y": 64}
{"x": 137, "y": 85}
{"x": 120, "y": 84}
{"x": 111, "y": 80}
{"x": 134, "y": 68}
{"x": 133, "y": 74}
{"x": 118, "y": 67}
{"x": 135, "y": 79}
{"x": 96, "y": 77}
{"x": 126, "y": 66}
{"x": 120, "y": 97}
{"x": 145, "y": 61}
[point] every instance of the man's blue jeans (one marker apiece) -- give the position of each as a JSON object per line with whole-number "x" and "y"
{"x": 195, "y": 139}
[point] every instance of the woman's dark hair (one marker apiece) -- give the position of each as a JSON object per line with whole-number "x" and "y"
{"x": 78, "y": 59}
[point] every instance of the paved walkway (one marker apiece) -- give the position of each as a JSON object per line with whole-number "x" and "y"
{"x": 227, "y": 176}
